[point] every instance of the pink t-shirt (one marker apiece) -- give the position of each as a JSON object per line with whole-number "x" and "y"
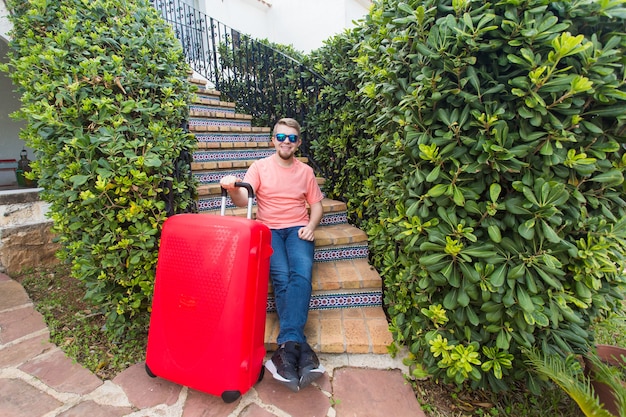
{"x": 282, "y": 192}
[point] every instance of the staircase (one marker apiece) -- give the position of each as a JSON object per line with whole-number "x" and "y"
{"x": 346, "y": 314}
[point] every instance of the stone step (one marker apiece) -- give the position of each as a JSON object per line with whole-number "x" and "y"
{"x": 214, "y": 167}
{"x": 198, "y": 82}
{"x": 232, "y": 155}
{"x": 345, "y": 277}
{"x": 205, "y": 120}
{"x": 206, "y": 93}
{"x": 201, "y": 128}
{"x": 208, "y": 105}
{"x": 219, "y": 140}
{"x": 341, "y": 284}
{"x": 347, "y": 330}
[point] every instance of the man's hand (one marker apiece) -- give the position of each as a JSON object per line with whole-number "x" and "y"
{"x": 228, "y": 182}
{"x": 306, "y": 233}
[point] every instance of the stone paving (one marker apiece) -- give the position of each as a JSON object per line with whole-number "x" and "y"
{"x": 38, "y": 380}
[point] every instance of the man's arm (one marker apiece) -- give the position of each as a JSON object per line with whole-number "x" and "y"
{"x": 315, "y": 216}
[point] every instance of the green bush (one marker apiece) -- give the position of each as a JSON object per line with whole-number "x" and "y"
{"x": 105, "y": 94}
{"x": 485, "y": 153}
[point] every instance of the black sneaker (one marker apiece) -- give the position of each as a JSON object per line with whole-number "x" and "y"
{"x": 309, "y": 367}
{"x": 284, "y": 365}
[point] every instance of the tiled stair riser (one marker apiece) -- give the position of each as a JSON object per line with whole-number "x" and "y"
{"x": 215, "y": 108}
{"x": 238, "y": 155}
{"x": 213, "y": 177}
{"x": 232, "y": 137}
{"x": 210, "y": 95}
{"x": 372, "y": 298}
{"x": 199, "y": 122}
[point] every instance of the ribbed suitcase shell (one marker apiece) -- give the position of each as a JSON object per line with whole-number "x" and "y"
{"x": 209, "y": 308}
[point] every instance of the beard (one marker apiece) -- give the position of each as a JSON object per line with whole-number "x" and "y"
{"x": 285, "y": 154}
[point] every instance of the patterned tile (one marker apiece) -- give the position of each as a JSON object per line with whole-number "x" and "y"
{"x": 372, "y": 298}
{"x": 215, "y": 176}
{"x": 218, "y": 122}
{"x": 212, "y": 156}
{"x": 341, "y": 253}
{"x": 232, "y": 137}
{"x": 334, "y": 218}
{"x": 211, "y": 108}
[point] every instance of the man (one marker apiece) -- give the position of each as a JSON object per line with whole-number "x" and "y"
{"x": 284, "y": 187}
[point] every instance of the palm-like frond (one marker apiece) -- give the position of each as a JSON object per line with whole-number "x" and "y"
{"x": 570, "y": 379}
{"x": 611, "y": 376}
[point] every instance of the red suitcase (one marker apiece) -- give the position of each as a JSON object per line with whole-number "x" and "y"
{"x": 210, "y": 293}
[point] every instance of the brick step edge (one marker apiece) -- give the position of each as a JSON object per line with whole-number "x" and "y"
{"x": 347, "y": 278}
{"x": 351, "y": 330}
{"x": 200, "y": 113}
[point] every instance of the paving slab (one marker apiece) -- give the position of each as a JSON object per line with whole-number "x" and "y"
{"x": 200, "y": 404}
{"x": 28, "y": 348}
{"x": 13, "y": 294}
{"x": 366, "y": 392}
{"x": 19, "y": 399}
{"x": 308, "y": 402}
{"x": 61, "y": 373}
{"x": 253, "y": 410}
{"x": 144, "y": 391}
{"x": 19, "y": 322}
{"x": 93, "y": 409}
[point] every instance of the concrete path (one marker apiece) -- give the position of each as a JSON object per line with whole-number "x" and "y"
{"x": 37, "y": 379}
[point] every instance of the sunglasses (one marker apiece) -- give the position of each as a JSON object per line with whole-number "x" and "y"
{"x": 281, "y": 137}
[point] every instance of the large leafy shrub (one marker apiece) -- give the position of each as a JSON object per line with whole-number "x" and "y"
{"x": 486, "y": 158}
{"x": 105, "y": 95}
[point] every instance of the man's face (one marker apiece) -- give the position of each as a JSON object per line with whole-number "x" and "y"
{"x": 285, "y": 149}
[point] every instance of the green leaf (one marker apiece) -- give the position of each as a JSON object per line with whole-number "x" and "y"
{"x": 502, "y": 341}
{"x": 437, "y": 190}
{"x": 527, "y": 229}
{"x": 498, "y": 276}
{"x": 494, "y": 192}
{"x": 610, "y": 178}
{"x": 549, "y": 233}
{"x": 494, "y": 233}
{"x": 524, "y": 300}
{"x": 78, "y": 180}
{"x": 458, "y": 197}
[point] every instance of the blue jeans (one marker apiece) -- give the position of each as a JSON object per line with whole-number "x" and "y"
{"x": 291, "y": 267}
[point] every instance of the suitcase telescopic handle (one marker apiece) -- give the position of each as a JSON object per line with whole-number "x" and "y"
{"x": 250, "y": 198}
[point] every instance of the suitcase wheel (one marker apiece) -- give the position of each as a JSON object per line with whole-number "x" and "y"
{"x": 149, "y": 372}
{"x": 230, "y": 396}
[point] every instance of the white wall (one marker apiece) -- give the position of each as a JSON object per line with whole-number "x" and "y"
{"x": 10, "y": 143}
{"x": 5, "y": 25}
{"x": 305, "y": 24}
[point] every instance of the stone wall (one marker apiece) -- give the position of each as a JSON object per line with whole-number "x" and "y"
{"x": 26, "y": 240}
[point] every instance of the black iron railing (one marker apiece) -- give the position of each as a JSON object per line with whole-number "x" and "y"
{"x": 264, "y": 82}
